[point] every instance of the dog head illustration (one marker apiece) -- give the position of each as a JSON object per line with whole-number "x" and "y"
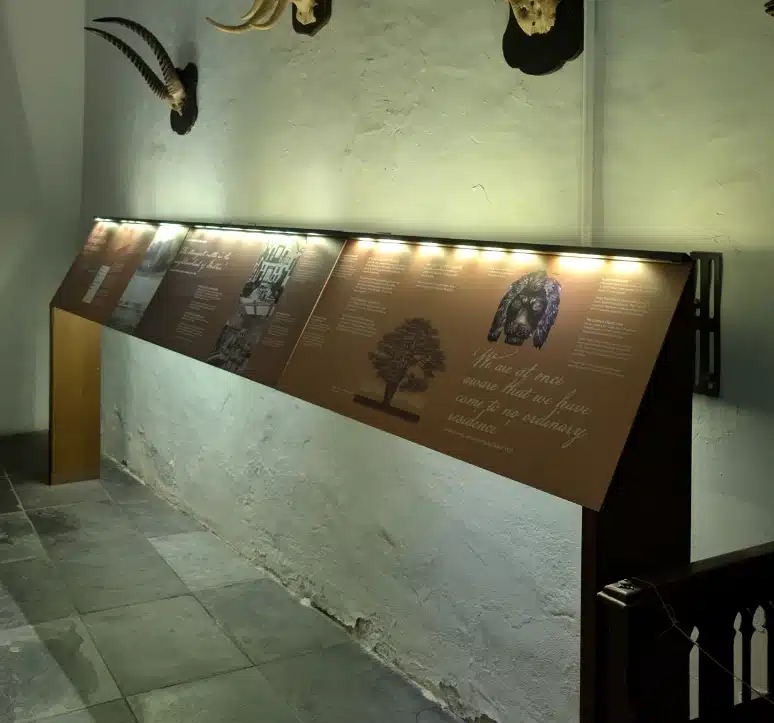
{"x": 528, "y": 309}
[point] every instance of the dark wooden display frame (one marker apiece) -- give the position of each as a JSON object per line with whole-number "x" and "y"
{"x": 644, "y": 523}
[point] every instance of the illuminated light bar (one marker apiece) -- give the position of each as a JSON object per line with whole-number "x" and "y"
{"x": 430, "y": 249}
{"x": 392, "y": 245}
{"x": 626, "y": 266}
{"x": 493, "y": 255}
{"x": 579, "y": 263}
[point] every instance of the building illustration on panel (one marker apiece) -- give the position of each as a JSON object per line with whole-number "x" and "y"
{"x": 257, "y": 302}
{"x": 272, "y": 271}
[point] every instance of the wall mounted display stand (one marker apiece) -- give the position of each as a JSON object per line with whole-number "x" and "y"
{"x": 707, "y": 300}
{"x": 567, "y": 369}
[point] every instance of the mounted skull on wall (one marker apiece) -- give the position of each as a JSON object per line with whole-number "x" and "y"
{"x": 534, "y": 16}
{"x": 543, "y": 35}
{"x": 308, "y": 16}
{"x": 178, "y": 88}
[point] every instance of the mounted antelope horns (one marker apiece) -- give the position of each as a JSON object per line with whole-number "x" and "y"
{"x": 254, "y": 9}
{"x": 178, "y": 88}
{"x": 256, "y": 18}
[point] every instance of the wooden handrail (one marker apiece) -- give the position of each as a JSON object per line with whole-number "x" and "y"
{"x": 648, "y": 631}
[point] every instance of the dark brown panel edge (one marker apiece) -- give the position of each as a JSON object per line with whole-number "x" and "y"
{"x": 645, "y": 522}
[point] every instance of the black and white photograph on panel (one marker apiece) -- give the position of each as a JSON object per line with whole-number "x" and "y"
{"x": 146, "y": 280}
{"x": 260, "y": 295}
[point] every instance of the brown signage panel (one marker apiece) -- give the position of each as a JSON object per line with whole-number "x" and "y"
{"x": 239, "y": 299}
{"x": 199, "y": 291}
{"x": 102, "y": 271}
{"x": 530, "y": 365}
{"x": 146, "y": 280}
{"x": 274, "y": 306}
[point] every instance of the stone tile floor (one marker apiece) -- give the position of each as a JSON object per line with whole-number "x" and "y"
{"x": 117, "y": 608}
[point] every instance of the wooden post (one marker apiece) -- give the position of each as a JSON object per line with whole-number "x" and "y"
{"x": 75, "y": 398}
{"x": 645, "y": 522}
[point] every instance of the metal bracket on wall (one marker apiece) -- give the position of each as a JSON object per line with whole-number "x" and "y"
{"x": 709, "y": 282}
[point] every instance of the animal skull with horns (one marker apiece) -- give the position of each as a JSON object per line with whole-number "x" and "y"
{"x": 265, "y": 14}
{"x": 534, "y": 16}
{"x": 178, "y": 87}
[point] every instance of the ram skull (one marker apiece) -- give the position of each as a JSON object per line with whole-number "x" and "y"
{"x": 178, "y": 87}
{"x": 534, "y": 16}
{"x": 265, "y": 14}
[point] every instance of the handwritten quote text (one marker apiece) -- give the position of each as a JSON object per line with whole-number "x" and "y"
{"x": 526, "y": 396}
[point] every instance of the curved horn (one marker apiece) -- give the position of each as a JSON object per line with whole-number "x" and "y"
{"x": 254, "y": 10}
{"x": 253, "y": 23}
{"x": 249, "y": 20}
{"x": 151, "y": 78}
{"x": 274, "y": 17}
{"x": 168, "y": 70}
{"x": 234, "y": 29}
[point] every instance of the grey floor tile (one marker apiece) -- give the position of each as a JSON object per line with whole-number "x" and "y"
{"x": 202, "y": 560}
{"x": 155, "y": 517}
{"x": 121, "y": 486}
{"x": 88, "y": 524}
{"x": 162, "y": 643}
{"x": 35, "y": 495}
{"x": 31, "y": 592}
{"x": 18, "y": 540}
{"x": 117, "y": 711}
{"x": 436, "y": 715}
{"x": 25, "y": 456}
{"x": 8, "y": 500}
{"x": 117, "y": 574}
{"x": 51, "y": 669}
{"x": 344, "y": 685}
{"x": 267, "y": 623}
{"x": 240, "y": 697}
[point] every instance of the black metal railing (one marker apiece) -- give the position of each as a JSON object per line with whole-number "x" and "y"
{"x": 691, "y": 644}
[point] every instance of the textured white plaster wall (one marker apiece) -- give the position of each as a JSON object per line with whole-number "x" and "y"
{"x": 390, "y": 120}
{"x": 466, "y": 579}
{"x": 687, "y": 162}
{"x": 399, "y": 116}
{"x": 41, "y": 134}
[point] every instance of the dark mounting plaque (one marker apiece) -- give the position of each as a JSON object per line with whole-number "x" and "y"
{"x": 709, "y": 284}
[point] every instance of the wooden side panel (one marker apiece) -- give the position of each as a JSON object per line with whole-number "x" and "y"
{"x": 645, "y": 522}
{"x": 75, "y": 398}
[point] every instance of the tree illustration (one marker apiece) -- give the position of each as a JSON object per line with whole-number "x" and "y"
{"x": 407, "y": 358}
